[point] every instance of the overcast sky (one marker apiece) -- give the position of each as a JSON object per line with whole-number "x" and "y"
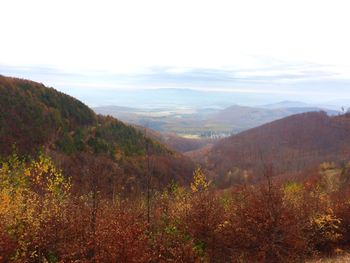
{"x": 285, "y": 46}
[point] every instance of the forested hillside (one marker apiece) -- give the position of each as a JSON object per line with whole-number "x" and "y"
{"x": 79, "y": 187}
{"x": 291, "y": 144}
{"x": 34, "y": 117}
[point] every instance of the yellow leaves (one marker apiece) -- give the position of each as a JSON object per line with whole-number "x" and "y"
{"x": 118, "y": 154}
{"x": 293, "y": 193}
{"x": 328, "y": 226}
{"x": 27, "y": 172}
{"x": 40, "y": 175}
{"x": 46, "y": 177}
{"x": 200, "y": 183}
{"x": 30, "y": 194}
{"x": 223, "y": 225}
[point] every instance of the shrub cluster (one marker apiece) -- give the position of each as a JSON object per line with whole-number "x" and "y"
{"x": 42, "y": 220}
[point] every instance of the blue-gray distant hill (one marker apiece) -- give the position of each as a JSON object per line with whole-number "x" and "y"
{"x": 241, "y": 118}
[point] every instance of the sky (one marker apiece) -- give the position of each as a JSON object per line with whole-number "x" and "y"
{"x": 291, "y": 49}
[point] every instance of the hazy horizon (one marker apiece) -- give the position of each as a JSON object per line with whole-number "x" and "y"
{"x": 161, "y": 88}
{"x": 250, "y": 52}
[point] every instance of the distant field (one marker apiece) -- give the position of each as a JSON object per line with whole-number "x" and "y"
{"x": 190, "y": 136}
{"x": 185, "y": 122}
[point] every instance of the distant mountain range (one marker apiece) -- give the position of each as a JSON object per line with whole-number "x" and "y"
{"x": 287, "y": 104}
{"x": 169, "y": 98}
{"x": 208, "y": 123}
{"x": 240, "y": 118}
{"x": 331, "y": 106}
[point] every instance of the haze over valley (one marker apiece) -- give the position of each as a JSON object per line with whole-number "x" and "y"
{"x": 206, "y": 122}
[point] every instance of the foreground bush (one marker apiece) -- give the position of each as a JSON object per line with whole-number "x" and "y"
{"x": 42, "y": 220}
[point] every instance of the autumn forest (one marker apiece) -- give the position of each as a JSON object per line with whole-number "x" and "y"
{"x": 80, "y": 187}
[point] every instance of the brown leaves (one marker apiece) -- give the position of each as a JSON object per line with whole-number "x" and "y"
{"x": 121, "y": 236}
{"x": 257, "y": 223}
{"x": 7, "y": 244}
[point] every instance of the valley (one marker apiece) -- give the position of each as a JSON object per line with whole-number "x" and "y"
{"x": 169, "y": 181}
{"x": 206, "y": 123}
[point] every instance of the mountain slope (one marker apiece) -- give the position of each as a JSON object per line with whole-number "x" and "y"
{"x": 32, "y": 114}
{"x": 34, "y": 117}
{"x": 290, "y": 144}
{"x": 241, "y": 118}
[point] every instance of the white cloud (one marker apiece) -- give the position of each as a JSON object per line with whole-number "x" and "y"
{"x": 131, "y": 36}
